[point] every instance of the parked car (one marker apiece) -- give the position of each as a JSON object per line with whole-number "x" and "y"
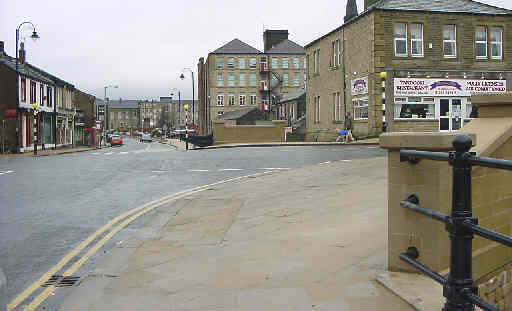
{"x": 146, "y": 137}
{"x": 116, "y": 140}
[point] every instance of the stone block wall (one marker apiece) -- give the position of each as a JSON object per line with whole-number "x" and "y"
{"x": 226, "y": 132}
{"x": 415, "y": 126}
{"x": 496, "y": 288}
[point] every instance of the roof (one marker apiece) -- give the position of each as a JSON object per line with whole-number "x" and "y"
{"x": 440, "y": 6}
{"x": 286, "y": 47}
{"x": 23, "y": 69}
{"x": 444, "y": 6}
{"x": 130, "y": 103}
{"x": 236, "y": 47}
{"x": 236, "y": 114}
{"x": 293, "y": 95}
{"x": 55, "y": 79}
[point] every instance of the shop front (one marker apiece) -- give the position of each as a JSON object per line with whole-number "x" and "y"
{"x": 431, "y": 105}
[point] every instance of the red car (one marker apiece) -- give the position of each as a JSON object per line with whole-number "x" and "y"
{"x": 116, "y": 140}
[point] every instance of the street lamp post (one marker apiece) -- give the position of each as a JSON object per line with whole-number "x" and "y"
{"x": 186, "y": 126}
{"x": 105, "y": 106}
{"x": 182, "y": 77}
{"x": 34, "y": 37}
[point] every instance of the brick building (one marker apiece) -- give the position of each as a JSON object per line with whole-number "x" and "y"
{"x": 435, "y": 55}
{"x": 237, "y": 75}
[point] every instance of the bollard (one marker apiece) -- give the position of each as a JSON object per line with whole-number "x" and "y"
{"x": 3, "y": 291}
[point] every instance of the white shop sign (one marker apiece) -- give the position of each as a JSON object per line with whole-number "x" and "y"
{"x": 447, "y": 87}
{"x": 360, "y": 86}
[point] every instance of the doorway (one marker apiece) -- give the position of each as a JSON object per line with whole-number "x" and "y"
{"x": 452, "y": 112}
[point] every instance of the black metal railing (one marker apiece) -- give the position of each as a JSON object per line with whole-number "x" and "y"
{"x": 460, "y": 292}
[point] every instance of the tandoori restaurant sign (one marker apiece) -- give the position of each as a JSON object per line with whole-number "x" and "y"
{"x": 447, "y": 87}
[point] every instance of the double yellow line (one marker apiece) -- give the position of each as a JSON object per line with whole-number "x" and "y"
{"x": 126, "y": 219}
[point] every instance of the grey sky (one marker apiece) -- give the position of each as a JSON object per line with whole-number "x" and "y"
{"x": 143, "y": 45}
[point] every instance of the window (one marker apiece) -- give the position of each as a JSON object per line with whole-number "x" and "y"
{"x": 275, "y": 81}
{"x": 285, "y": 62}
{"x": 23, "y": 89}
{"x": 338, "y": 113}
{"x": 41, "y": 95}
{"x": 242, "y": 79}
{"x": 231, "y": 62}
{"x": 316, "y": 61}
{"x": 231, "y": 79}
{"x": 449, "y": 41}
{"x": 296, "y": 62}
{"x": 305, "y": 79}
{"x": 242, "y": 99}
{"x": 305, "y": 63}
{"x": 417, "y": 40}
{"x": 252, "y": 79}
{"x": 285, "y": 79}
{"x": 49, "y": 91}
{"x": 275, "y": 63}
{"x": 252, "y": 62}
{"x": 241, "y": 63}
{"x": 481, "y": 42}
{"x": 316, "y": 100}
{"x": 220, "y": 62}
{"x": 414, "y": 108}
{"x": 220, "y": 100}
{"x": 253, "y": 99}
{"x": 263, "y": 63}
{"x": 220, "y": 113}
{"x": 336, "y": 53}
{"x": 496, "y": 42}
{"x": 231, "y": 99}
{"x": 220, "y": 79}
{"x": 296, "y": 79}
{"x": 360, "y": 108}
{"x": 401, "y": 39}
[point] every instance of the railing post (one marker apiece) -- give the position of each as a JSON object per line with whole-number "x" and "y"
{"x": 461, "y": 236}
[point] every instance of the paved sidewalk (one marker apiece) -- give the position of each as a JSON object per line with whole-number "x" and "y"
{"x": 49, "y": 152}
{"x": 307, "y": 239}
{"x": 181, "y": 145}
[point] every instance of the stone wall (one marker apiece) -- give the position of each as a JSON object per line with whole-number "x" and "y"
{"x": 226, "y": 132}
{"x": 431, "y": 181}
{"x": 415, "y": 126}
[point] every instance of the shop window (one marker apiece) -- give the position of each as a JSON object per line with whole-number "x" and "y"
{"x": 414, "y": 108}
{"x": 481, "y": 42}
{"x": 360, "y": 108}
{"x": 450, "y": 41}
{"x": 496, "y": 42}
{"x": 401, "y": 39}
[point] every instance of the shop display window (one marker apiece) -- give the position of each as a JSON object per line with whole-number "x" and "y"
{"x": 414, "y": 108}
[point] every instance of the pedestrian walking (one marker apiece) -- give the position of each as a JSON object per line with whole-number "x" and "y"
{"x": 348, "y": 128}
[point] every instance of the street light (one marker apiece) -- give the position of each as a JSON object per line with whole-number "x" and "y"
{"x": 182, "y": 77}
{"x": 36, "y": 111}
{"x": 34, "y": 37}
{"x": 186, "y": 125}
{"x": 105, "y": 104}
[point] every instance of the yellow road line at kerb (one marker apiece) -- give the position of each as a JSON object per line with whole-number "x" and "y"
{"x": 49, "y": 290}
{"x": 34, "y": 286}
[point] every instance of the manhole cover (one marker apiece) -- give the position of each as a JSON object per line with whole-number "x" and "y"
{"x": 61, "y": 281}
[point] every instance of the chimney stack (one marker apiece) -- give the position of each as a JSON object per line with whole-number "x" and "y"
{"x": 368, "y": 3}
{"x": 22, "y": 53}
{"x": 351, "y": 10}
{"x": 2, "y": 51}
{"x": 273, "y": 37}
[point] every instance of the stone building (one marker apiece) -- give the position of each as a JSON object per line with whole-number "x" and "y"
{"x": 435, "y": 55}
{"x": 237, "y": 75}
{"x": 124, "y": 115}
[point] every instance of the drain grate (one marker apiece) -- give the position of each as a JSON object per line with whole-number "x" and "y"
{"x": 61, "y": 281}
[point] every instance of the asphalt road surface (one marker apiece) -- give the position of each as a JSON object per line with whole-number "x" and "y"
{"x": 48, "y": 205}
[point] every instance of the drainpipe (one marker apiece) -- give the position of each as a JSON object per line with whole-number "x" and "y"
{"x": 343, "y": 72}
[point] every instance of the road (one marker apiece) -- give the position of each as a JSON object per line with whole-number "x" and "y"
{"x": 51, "y": 204}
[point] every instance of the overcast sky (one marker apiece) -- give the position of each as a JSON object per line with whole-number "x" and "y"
{"x": 143, "y": 45}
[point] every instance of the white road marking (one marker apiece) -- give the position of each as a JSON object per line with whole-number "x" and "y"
{"x": 231, "y": 169}
{"x": 274, "y": 168}
{"x": 158, "y": 171}
{"x": 198, "y": 170}
{"x": 345, "y": 160}
{"x": 5, "y": 172}
{"x": 95, "y": 153}
{"x": 371, "y": 147}
{"x": 108, "y": 153}
{"x": 124, "y": 152}
{"x": 325, "y": 162}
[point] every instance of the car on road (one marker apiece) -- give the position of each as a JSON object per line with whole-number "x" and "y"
{"x": 146, "y": 137}
{"x": 116, "y": 140}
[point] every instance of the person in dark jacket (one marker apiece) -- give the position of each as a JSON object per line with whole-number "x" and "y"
{"x": 348, "y": 128}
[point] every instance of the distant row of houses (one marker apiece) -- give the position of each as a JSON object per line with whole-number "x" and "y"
{"x": 396, "y": 66}
{"x": 65, "y": 115}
